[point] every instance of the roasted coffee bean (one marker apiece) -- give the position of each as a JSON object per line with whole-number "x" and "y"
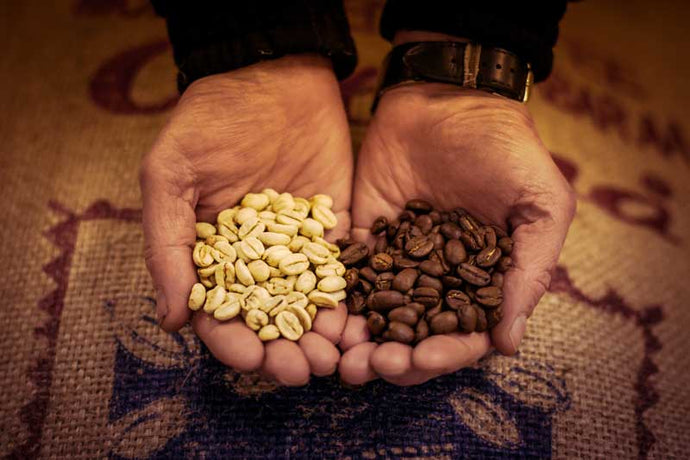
{"x": 489, "y": 236}
{"x": 424, "y": 223}
{"x": 431, "y": 268}
{"x": 467, "y": 224}
{"x": 365, "y": 286}
{"x": 404, "y": 315}
{"x": 407, "y": 298}
{"x": 445, "y": 217}
{"x": 453, "y": 217}
{"x": 419, "y": 206}
{"x": 381, "y": 262}
{"x": 470, "y": 241}
{"x": 342, "y": 243}
{"x": 467, "y": 318}
{"x": 500, "y": 233}
{"x": 456, "y": 299}
{"x": 392, "y": 229}
{"x": 472, "y": 260}
{"x": 506, "y": 245}
{"x": 454, "y": 252}
{"x": 400, "y": 332}
{"x": 426, "y": 296}
{"x": 399, "y": 240}
{"x": 384, "y": 300}
{"x": 376, "y": 322}
{"x": 435, "y": 217}
{"x": 379, "y": 225}
{"x": 413, "y": 232}
{"x": 384, "y": 281}
{"x": 438, "y": 240}
{"x": 433, "y": 311}
{"x": 354, "y": 254}
{"x": 490, "y": 296}
{"x": 451, "y": 282}
{"x": 368, "y": 274}
{"x": 419, "y": 247}
{"x": 493, "y": 317}
{"x": 417, "y": 307}
{"x": 488, "y": 256}
{"x": 504, "y": 264}
{"x": 497, "y": 279}
{"x": 473, "y": 275}
{"x": 425, "y": 280}
{"x": 381, "y": 244}
{"x": 451, "y": 231}
{"x": 355, "y": 303}
{"x": 421, "y": 331}
{"x": 444, "y": 323}
{"x": 481, "y": 319}
{"x": 401, "y": 263}
{"x": 407, "y": 216}
{"x": 351, "y": 278}
{"x": 405, "y": 280}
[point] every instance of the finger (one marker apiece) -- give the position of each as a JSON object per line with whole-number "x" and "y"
{"x": 535, "y": 252}
{"x": 286, "y": 363}
{"x": 392, "y": 359}
{"x": 355, "y": 364}
{"x": 169, "y": 234}
{"x": 321, "y": 354}
{"x": 356, "y": 331}
{"x": 444, "y": 354}
{"x": 232, "y": 342}
{"x": 330, "y": 322}
{"x": 412, "y": 377}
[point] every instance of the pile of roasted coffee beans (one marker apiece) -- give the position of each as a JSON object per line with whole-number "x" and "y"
{"x": 431, "y": 272}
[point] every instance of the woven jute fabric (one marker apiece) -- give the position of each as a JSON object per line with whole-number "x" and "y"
{"x": 85, "y": 373}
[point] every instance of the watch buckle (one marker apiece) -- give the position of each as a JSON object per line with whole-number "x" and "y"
{"x": 528, "y": 84}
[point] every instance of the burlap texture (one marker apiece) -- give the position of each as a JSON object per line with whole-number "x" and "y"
{"x": 85, "y": 372}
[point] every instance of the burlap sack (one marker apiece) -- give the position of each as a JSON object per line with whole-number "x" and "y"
{"x": 85, "y": 372}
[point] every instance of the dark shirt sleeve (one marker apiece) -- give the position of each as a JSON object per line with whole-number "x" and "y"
{"x": 528, "y": 29}
{"x": 214, "y": 36}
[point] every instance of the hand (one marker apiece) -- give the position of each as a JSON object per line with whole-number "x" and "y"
{"x": 278, "y": 124}
{"x": 458, "y": 148}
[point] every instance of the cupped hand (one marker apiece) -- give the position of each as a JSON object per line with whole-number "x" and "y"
{"x": 458, "y": 148}
{"x": 278, "y": 124}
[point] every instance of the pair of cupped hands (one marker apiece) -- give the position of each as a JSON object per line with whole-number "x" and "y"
{"x": 282, "y": 124}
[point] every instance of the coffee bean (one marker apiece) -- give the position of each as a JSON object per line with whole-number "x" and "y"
{"x": 437, "y": 256}
{"x": 404, "y": 315}
{"x": 473, "y": 275}
{"x": 488, "y": 256}
{"x": 455, "y": 252}
{"x": 419, "y": 206}
{"x": 470, "y": 241}
{"x": 456, "y": 299}
{"x": 381, "y": 244}
{"x": 376, "y": 322}
{"x": 426, "y": 296}
{"x": 354, "y": 254}
{"x": 451, "y": 282}
{"x": 392, "y": 229}
{"x": 506, "y": 245}
{"x": 419, "y": 247}
{"x": 384, "y": 281}
{"x": 417, "y": 307}
{"x": 451, "y": 231}
{"x": 467, "y": 318}
{"x": 421, "y": 331}
{"x": 368, "y": 274}
{"x": 481, "y": 319}
{"x": 413, "y": 232}
{"x": 435, "y": 217}
{"x": 424, "y": 223}
{"x": 425, "y": 280}
{"x": 407, "y": 216}
{"x": 444, "y": 323}
{"x": 379, "y": 225}
{"x": 431, "y": 312}
{"x": 504, "y": 264}
{"x": 384, "y": 300}
{"x": 490, "y": 296}
{"x": 497, "y": 279}
{"x": 342, "y": 243}
{"x": 365, "y": 286}
{"x": 400, "y": 332}
{"x": 351, "y": 278}
{"x": 399, "y": 240}
{"x": 438, "y": 240}
{"x": 401, "y": 263}
{"x": 405, "y": 280}
{"x": 381, "y": 262}
{"x": 432, "y": 268}
{"x": 407, "y": 298}
{"x": 355, "y": 303}
{"x": 489, "y": 236}
{"x": 500, "y": 233}
{"x": 493, "y": 317}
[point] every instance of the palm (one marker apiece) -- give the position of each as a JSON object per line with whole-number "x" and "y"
{"x": 455, "y": 149}
{"x": 229, "y": 135}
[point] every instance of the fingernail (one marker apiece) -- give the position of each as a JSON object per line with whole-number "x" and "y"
{"x": 161, "y": 306}
{"x": 517, "y": 331}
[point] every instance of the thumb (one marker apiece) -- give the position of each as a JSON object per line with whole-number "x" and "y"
{"x": 169, "y": 235}
{"x": 536, "y": 246}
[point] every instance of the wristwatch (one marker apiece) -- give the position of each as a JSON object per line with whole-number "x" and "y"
{"x": 465, "y": 64}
